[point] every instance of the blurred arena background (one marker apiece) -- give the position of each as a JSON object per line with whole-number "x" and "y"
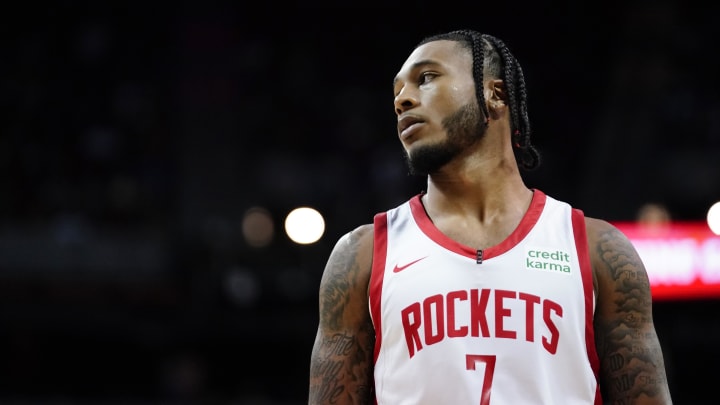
{"x": 150, "y": 152}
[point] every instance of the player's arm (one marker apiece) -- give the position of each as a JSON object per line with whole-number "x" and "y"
{"x": 341, "y": 364}
{"x": 632, "y": 369}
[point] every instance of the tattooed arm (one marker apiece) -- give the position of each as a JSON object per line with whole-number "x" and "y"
{"x": 341, "y": 364}
{"x": 632, "y": 369}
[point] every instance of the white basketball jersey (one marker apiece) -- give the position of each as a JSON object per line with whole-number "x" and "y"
{"x": 510, "y": 324}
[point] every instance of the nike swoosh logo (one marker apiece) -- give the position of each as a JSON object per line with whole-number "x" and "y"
{"x": 398, "y": 269}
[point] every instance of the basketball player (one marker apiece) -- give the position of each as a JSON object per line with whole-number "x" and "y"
{"x": 481, "y": 290}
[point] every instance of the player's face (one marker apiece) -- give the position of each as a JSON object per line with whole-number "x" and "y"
{"x": 438, "y": 114}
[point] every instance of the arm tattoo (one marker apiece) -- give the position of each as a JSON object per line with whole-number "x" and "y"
{"x": 334, "y": 299}
{"x": 330, "y": 368}
{"x": 337, "y": 366}
{"x": 341, "y": 370}
{"x": 631, "y": 356}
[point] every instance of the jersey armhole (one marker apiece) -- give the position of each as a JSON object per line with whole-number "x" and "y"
{"x": 586, "y": 271}
{"x": 377, "y": 274}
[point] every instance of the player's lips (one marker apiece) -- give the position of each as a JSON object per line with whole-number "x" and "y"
{"x": 407, "y": 124}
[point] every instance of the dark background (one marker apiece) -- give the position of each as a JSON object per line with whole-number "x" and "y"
{"x": 135, "y": 135}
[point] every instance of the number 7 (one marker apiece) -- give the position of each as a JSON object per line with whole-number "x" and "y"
{"x": 471, "y": 360}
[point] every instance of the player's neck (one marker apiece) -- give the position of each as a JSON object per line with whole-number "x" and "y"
{"x": 477, "y": 172}
{"x": 479, "y": 189}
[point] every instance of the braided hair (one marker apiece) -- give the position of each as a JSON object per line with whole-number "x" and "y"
{"x": 491, "y": 57}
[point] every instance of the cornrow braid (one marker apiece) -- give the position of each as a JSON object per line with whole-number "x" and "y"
{"x": 493, "y": 58}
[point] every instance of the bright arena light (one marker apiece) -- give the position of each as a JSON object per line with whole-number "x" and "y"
{"x": 304, "y": 225}
{"x": 713, "y": 218}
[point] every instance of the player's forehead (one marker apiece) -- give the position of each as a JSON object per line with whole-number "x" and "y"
{"x": 442, "y": 54}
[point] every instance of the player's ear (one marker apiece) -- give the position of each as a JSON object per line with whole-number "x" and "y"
{"x": 495, "y": 96}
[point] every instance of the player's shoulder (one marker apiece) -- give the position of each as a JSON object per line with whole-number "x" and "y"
{"x": 598, "y": 228}
{"x": 353, "y": 250}
{"x": 357, "y": 238}
{"x": 598, "y": 225}
{"x": 606, "y": 240}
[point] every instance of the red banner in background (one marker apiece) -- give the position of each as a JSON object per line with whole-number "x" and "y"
{"x": 682, "y": 259}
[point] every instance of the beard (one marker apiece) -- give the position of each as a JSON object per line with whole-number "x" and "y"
{"x": 463, "y": 128}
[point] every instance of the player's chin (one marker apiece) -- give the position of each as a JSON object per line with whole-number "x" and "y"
{"x": 413, "y": 143}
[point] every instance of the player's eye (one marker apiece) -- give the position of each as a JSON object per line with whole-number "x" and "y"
{"x": 426, "y": 77}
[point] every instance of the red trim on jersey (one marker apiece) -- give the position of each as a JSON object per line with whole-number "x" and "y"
{"x": 583, "y": 252}
{"x": 376, "y": 277}
{"x": 526, "y": 224}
